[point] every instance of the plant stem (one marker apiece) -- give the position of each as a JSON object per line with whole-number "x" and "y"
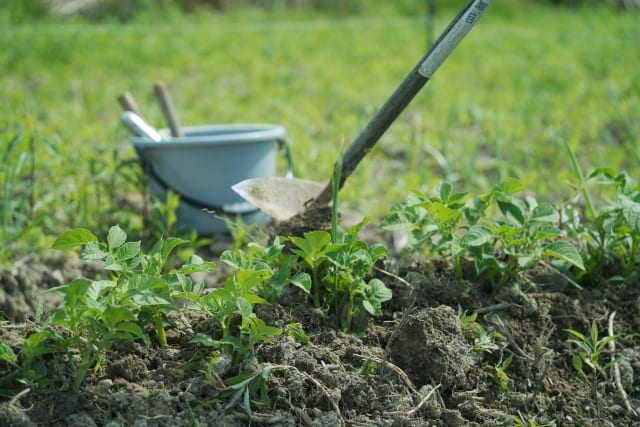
{"x": 349, "y": 316}
{"x": 583, "y": 182}
{"x": 159, "y": 325}
{"x": 316, "y": 287}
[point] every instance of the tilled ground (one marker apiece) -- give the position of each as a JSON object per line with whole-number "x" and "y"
{"x": 415, "y": 365}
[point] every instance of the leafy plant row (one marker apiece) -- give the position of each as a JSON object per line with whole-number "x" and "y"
{"x": 140, "y": 291}
{"x": 454, "y": 227}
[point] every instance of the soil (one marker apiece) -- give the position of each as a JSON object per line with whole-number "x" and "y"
{"x": 413, "y": 366}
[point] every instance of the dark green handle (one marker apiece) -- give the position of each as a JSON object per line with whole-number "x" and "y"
{"x": 417, "y": 78}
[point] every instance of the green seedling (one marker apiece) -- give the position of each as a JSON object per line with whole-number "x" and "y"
{"x": 589, "y": 350}
{"x": 29, "y": 368}
{"x": 339, "y": 271}
{"x": 351, "y": 291}
{"x": 435, "y": 222}
{"x": 452, "y": 229}
{"x": 236, "y": 298}
{"x": 528, "y": 235}
{"x": 312, "y": 250}
{"x": 246, "y": 388}
{"x": 93, "y": 324}
{"x": 499, "y": 376}
{"x": 275, "y": 268}
{"x": 614, "y": 234}
{"x": 522, "y": 422}
{"x": 137, "y": 280}
{"x": 483, "y": 341}
{"x": 98, "y": 313}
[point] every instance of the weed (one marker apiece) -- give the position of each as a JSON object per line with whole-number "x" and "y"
{"x": 483, "y": 341}
{"x": 523, "y": 422}
{"x": 588, "y": 353}
{"x": 20, "y": 215}
{"x": 249, "y": 388}
{"x": 499, "y": 376}
{"x": 29, "y": 369}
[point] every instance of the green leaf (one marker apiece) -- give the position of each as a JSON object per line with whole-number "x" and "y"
{"x": 376, "y": 293}
{"x": 510, "y": 186}
{"x": 631, "y": 212}
{"x": 94, "y": 250}
{"x": 76, "y": 291}
{"x": 115, "y": 237}
{"x": 545, "y": 213}
{"x": 398, "y": 221}
{"x": 576, "y": 333}
{"x": 311, "y": 245}
{"x": 512, "y": 211}
{"x": 97, "y": 288}
{"x": 128, "y": 250}
{"x": 114, "y": 315}
{"x": 7, "y": 354}
{"x": 72, "y": 238}
{"x": 131, "y": 328}
{"x": 302, "y": 280}
{"x": 205, "y": 340}
{"x": 149, "y": 291}
{"x": 477, "y": 235}
{"x": 244, "y": 307}
{"x": 294, "y": 330}
{"x": 258, "y": 327}
{"x": 564, "y": 251}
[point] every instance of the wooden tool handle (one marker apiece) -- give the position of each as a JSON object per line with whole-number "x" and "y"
{"x": 128, "y": 103}
{"x": 169, "y": 112}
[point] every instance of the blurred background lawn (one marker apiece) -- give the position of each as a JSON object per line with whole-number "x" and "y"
{"x": 529, "y": 76}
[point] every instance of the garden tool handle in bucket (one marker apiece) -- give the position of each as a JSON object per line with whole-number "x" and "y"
{"x": 284, "y": 149}
{"x": 417, "y": 78}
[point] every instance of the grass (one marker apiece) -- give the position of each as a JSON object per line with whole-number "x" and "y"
{"x": 526, "y": 79}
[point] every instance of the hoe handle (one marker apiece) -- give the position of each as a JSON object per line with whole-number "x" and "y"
{"x": 403, "y": 95}
{"x": 168, "y": 110}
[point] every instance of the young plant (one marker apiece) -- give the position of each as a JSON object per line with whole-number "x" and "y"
{"x": 312, "y": 250}
{"x": 588, "y": 353}
{"x": 453, "y": 229}
{"x": 614, "y": 235}
{"x": 435, "y": 222}
{"x": 249, "y": 388}
{"x": 349, "y": 290}
{"x": 98, "y": 313}
{"x": 236, "y": 298}
{"x": 28, "y": 368}
{"x": 275, "y": 266}
{"x": 499, "y": 376}
{"x": 527, "y": 235}
{"x": 92, "y": 323}
{"x": 138, "y": 282}
{"x": 483, "y": 341}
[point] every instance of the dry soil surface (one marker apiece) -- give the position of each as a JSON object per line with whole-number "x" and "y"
{"x": 413, "y": 366}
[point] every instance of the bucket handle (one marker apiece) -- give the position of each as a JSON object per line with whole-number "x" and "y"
{"x": 284, "y": 149}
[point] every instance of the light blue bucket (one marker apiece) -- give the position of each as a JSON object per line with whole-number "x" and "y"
{"x": 202, "y": 166}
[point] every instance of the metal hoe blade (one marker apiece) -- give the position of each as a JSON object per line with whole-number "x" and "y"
{"x": 281, "y": 198}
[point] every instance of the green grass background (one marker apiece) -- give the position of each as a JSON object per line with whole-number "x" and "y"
{"x": 526, "y": 78}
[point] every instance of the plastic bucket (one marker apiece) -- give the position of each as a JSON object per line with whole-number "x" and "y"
{"x": 202, "y": 166}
